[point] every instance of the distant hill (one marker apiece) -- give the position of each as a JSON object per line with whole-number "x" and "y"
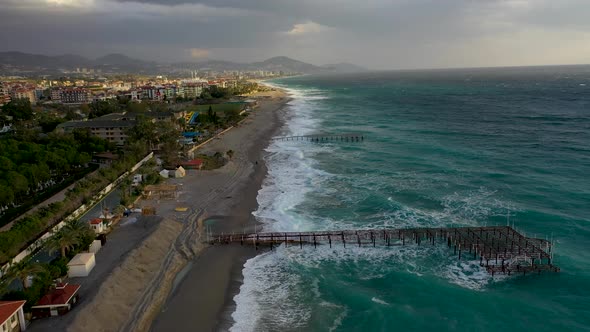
{"x": 286, "y": 64}
{"x": 116, "y": 59}
{"x": 279, "y": 63}
{"x": 122, "y": 63}
{"x": 20, "y": 59}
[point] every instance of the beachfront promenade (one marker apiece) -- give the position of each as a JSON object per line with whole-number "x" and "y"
{"x": 501, "y": 249}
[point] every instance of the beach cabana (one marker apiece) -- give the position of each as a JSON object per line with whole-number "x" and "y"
{"x": 81, "y": 265}
{"x": 97, "y": 225}
{"x": 57, "y": 302}
{"x": 177, "y": 173}
{"x": 193, "y": 164}
{"x": 95, "y": 246}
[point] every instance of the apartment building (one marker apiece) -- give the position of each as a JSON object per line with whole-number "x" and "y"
{"x": 112, "y": 129}
{"x": 23, "y": 93}
{"x": 76, "y": 96}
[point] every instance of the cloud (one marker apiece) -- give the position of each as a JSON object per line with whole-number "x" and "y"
{"x": 117, "y": 9}
{"x": 306, "y": 28}
{"x": 374, "y": 33}
{"x": 199, "y": 53}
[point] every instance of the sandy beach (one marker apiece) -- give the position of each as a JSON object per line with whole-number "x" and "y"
{"x": 172, "y": 281}
{"x": 203, "y": 299}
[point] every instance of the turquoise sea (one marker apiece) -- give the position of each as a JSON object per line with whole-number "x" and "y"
{"x": 441, "y": 148}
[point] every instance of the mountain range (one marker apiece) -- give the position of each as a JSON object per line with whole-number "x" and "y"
{"x": 121, "y": 63}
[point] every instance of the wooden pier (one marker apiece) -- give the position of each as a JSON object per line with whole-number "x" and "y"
{"x": 501, "y": 249}
{"x": 321, "y": 138}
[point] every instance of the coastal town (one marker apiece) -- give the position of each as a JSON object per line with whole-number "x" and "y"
{"x": 100, "y": 170}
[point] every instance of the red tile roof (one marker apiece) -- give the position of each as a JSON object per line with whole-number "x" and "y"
{"x": 194, "y": 162}
{"x": 8, "y": 308}
{"x": 59, "y": 296}
{"x": 95, "y": 221}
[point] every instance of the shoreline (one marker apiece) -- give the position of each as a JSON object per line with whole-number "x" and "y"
{"x": 202, "y": 299}
{"x": 140, "y": 289}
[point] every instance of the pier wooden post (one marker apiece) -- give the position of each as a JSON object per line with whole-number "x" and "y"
{"x": 497, "y": 248}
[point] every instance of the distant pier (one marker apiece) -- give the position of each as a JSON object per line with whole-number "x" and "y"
{"x": 324, "y": 138}
{"x": 500, "y": 249}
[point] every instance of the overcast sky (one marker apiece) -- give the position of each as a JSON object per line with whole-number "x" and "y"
{"x": 379, "y": 34}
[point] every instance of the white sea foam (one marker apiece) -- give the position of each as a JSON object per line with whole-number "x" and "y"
{"x": 338, "y": 320}
{"x": 377, "y": 300}
{"x": 470, "y": 275}
{"x": 270, "y": 297}
{"x": 291, "y": 171}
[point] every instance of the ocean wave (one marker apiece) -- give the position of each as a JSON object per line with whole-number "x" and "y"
{"x": 291, "y": 168}
{"x": 296, "y": 188}
{"x": 284, "y": 287}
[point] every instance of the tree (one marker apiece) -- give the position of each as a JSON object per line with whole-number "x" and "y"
{"x": 63, "y": 240}
{"x": 17, "y": 182}
{"x": 100, "y": 108}
{"x": 137, "y": 107}
{"x": 210, "y": 113}
{"x": 6, "y": 195}
{"x": 230, "y": 154}
{"x": 206, "y": 95}
{"x": 85, "y": 109}
{"x": 22, "y": 270}
{"x": 19, "y": 109}
{"x": 83, "y": 231}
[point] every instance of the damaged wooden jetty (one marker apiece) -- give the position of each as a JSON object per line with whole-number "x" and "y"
{"x": 321, "y": 138}
{"x": 500, "y": 249}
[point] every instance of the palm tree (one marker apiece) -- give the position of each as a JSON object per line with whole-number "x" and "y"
{"x": 80, "y": 228}
{"x": 21, "y": 271}
{"x": 63, "y": 240}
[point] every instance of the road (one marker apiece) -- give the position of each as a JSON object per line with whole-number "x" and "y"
{"x": 111, "y": 201}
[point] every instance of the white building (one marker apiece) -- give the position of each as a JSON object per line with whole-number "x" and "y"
{"x": 81, "y": 265}
{"x": 12, "y": 318}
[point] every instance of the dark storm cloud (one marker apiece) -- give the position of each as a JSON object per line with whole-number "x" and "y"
{"x": 398, "y": 33}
